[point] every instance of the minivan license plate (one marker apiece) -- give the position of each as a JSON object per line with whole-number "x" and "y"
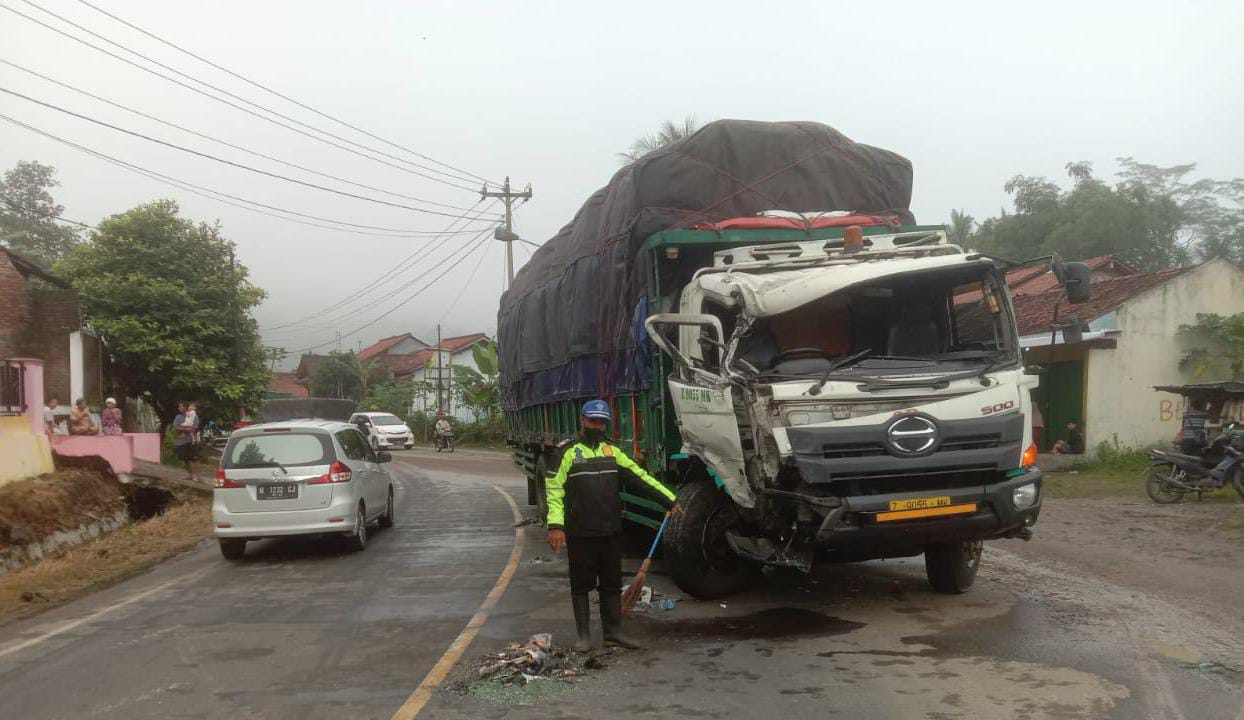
{"x": 278, "y": 491}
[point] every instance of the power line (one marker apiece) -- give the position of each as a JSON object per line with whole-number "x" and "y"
{"x": 374, "y": 284}
{"x": 240, "y": 166}
{"x": 212, "y": 194}
{"x": 248, "y": 111}
{"x": 375, "y": 301}
{"x": 196, "y": 133}
{"x": 480, "y": 243}
{"x": 462, "y": 290}
{"x": 244, "y": 79}
{"x": 15, "y": 208}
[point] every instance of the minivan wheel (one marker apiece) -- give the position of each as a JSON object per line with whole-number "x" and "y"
{"x": 951, "y": 567}
{"x": 233, "y": 549}
{"x": 386, "y": 520}
{"x": 357, "y": 540}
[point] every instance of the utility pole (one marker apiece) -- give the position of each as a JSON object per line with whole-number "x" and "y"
{"x": 506, "y": 234}
{"x": 440, "y": 372}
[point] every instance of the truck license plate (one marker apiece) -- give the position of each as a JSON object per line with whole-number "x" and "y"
{"x": 919, "y": 503}
{"x": 278, "y": 491}
{"x": 926, "y": 511}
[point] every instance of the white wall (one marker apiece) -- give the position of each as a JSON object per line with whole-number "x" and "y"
{"x": 405, "y": 347}
{"x": 460, "y": 358}
{"x": 1121, "y": 402}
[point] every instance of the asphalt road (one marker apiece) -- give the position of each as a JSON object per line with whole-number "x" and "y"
{"x": 304, "y": 630}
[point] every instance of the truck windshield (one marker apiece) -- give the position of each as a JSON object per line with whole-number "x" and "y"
{"x": 937, "y": 321}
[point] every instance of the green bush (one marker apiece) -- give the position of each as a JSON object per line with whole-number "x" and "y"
{"x": 1111, "y": 457}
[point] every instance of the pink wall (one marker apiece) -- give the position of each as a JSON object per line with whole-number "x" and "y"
{"x": 34, "y": 393}
{"x": 146, "y": 446}
{"x": 118, "y": 451}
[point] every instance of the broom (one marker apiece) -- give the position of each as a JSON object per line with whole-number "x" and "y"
{"x": 636, "y": 588}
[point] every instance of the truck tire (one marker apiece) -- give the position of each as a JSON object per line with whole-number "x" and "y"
{"x": 951, "y": 567}
{"x": 696, "y": 551}
{"x": 538, "y": 489}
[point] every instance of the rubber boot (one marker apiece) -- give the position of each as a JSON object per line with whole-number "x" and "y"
{"x": 582, "y": 622}
{"x": 611, "y": 619}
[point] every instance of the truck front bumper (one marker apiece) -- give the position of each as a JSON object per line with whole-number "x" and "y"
{"x": 860, "y": 526}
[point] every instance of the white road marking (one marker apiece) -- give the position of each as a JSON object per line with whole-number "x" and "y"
{"x": 66, "y": 627}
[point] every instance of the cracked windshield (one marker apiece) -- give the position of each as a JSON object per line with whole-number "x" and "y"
{"x": 486, "y": 366}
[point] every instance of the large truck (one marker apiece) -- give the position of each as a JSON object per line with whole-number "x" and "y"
{"x": 840, "y": 385}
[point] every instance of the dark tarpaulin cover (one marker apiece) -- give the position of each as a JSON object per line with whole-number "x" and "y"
{"x": 571, "y": 324}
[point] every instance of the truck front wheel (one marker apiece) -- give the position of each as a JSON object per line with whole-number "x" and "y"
{"x": 696, "y": 550}
{"x": 951, "y": 567}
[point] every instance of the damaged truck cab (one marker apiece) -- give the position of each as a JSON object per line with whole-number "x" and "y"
{"x": 851, "y": 399}
{"x": 843, "y": 391}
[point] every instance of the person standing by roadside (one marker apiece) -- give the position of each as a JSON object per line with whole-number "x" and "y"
{"x": 80, "y": 420}
{"x": 110, "y": 418}
{"x": 585, "y": 516}
{"x": 184, "y": 445}
{"x": 50, "y": 425}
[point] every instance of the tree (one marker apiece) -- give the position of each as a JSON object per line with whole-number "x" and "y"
{"x": 275, "y": 355}
{"x": 480, "y": 389}
{"x": 392, "y": 396}
{"x": 28, "y": 214}
{"x": 1153, "y": 217}
{"x": 337, "y": 376}
{"x": 670, "y": 132}
{"x": 173, "y": 309}
{"x": 960, "y": 227}
{"x": 1219, "y": 349}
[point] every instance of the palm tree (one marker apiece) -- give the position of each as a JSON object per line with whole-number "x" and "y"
{"x": 670, "y": 132}
{"x": 960, "y": 227}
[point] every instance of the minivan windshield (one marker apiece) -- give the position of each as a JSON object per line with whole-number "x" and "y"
{"x": 279, "y": 450}
{"x": 385, "y": 420}
{"x": 933, "y": 322}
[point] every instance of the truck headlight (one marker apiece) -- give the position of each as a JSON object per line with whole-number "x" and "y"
{"x": 1024, "y": 496}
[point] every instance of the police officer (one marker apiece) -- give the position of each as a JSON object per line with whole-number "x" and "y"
{"x": 585, "y": 515}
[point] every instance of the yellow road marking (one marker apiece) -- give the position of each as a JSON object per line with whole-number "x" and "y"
{"x": 926, "y": 512}
{"x": 440, "y": 670}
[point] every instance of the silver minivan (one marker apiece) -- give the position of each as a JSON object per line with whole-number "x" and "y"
{"x": 299, "y": 477}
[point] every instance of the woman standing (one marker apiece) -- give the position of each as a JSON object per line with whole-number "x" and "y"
{"x": 110, "y": 418}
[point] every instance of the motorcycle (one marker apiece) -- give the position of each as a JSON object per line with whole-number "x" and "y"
{"x": 445, "y": 441}
{"x": 1171, "y": 475}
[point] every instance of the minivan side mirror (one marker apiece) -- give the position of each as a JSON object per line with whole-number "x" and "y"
{"x": 384, "y": 456}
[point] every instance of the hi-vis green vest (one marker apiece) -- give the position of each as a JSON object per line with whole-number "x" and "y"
{"x": 584, "y": 489}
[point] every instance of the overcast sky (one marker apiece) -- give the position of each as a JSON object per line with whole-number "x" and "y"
{"x": 548, "y": 93}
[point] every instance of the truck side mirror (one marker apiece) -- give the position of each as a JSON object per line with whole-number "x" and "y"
{"x": 1075, "y": 277}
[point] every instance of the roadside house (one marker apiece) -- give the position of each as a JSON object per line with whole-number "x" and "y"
{"x": 285, "y": 385}
{"x": 40, "y": 318}
{"x": 431, "y": 369}
{"x": 1130, "y": 344}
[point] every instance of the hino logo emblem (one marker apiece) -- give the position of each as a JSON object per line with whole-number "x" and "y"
{"x": 912, "y": 435}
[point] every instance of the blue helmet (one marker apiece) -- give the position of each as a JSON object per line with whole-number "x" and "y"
{"x": 597, "y": 410}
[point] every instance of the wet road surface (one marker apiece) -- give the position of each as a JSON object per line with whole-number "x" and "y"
{"x": 305, "y": 630}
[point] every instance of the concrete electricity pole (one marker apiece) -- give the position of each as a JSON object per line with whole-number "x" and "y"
{"x": 506, "y": 234}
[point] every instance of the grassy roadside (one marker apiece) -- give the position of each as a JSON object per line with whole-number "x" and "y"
{"x": 105, "y": 561}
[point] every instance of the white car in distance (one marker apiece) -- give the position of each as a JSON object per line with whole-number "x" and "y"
{"x": 383, "y": 430}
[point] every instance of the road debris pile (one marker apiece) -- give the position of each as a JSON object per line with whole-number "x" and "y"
{"x": 537, "y": 659}
{"x": 651, "y": 600}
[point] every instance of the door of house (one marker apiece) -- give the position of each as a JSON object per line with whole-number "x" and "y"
{"x": 1061, "y": 398}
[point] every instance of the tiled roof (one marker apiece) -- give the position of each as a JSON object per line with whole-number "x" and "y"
{"x": 287, "y": 383}
{"x": 454, "y": 344}
{"x": 404, "y": 364}
{"x": 383, "y": 345}
{"x": 28, "y": 268}
{"x": 1035, "y": 313}
{"x": 1037, "y": 278}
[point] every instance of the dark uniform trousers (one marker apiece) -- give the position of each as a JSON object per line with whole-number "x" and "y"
{"x": 595, "y": 563}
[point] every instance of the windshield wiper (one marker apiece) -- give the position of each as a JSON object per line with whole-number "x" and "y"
{"x": 837, "y": 365}
{"x": 938, "y": 383}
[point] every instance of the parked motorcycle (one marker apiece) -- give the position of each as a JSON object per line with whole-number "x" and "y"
{"x": 445, "y": 442}
{"x": 1171, "y": 475}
